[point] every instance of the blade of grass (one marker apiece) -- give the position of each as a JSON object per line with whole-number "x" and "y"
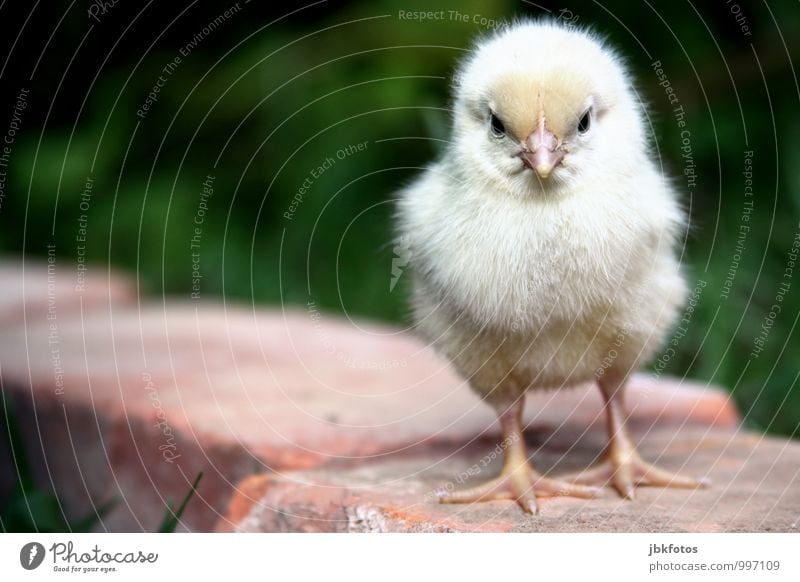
{"x": 171, "y": 518}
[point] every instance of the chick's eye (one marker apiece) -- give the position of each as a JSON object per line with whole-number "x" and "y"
{"x": 498, "y": 129}
{"x": 584, "y": 122}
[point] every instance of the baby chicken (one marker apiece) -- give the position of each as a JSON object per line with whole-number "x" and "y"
{"x": 543, "y": 244}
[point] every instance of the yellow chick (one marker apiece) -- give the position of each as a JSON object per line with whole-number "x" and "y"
{"x": 543, "y": 244}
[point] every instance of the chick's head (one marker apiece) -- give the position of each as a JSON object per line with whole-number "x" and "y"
{"x": 543, "y": 108}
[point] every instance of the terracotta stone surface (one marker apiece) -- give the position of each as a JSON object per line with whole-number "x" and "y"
{"x": 132, "y": 400}
{"x": 266, "y": 381}
{"x": 755, "y": 487}
{"x": 38, "y": 287}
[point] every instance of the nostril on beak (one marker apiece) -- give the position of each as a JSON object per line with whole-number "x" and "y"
{"x": 541, "y": 153}
{"x": 542, "y": 138}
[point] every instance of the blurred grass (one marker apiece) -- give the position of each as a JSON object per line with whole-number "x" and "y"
{"x": 30, "y": 508}
{"x": 276, "y": 107}
{"x": 33, "y": 508}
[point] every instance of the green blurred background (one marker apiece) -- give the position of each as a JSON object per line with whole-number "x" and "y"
{"x": 270, "y": 92}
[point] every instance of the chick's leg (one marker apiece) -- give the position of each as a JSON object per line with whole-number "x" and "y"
{"x": 518, "y": 480}
{"x": 623, "y": 467}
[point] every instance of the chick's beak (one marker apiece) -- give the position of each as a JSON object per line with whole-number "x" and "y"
{"x": 541, "y": 153}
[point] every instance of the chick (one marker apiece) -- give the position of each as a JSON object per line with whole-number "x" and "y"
{"x": 542, "y": 244}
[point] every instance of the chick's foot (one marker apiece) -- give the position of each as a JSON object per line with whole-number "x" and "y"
{"x": 624, "y": 474}
{"x": 623, "y": 467}
{"x": 523, "y": 485}
{"x": 518, "y": 481}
